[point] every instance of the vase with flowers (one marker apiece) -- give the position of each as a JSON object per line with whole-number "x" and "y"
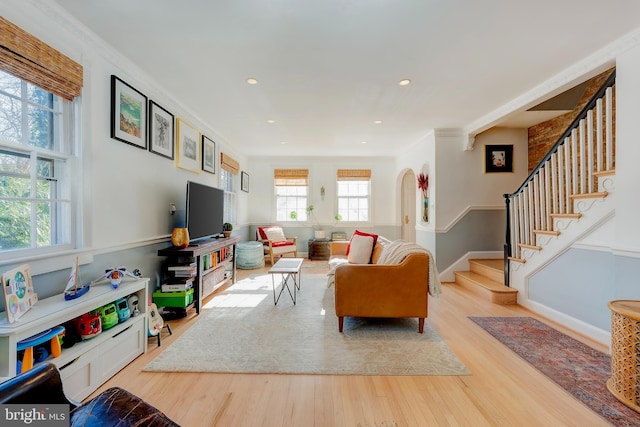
{"x": 423, "y": 185}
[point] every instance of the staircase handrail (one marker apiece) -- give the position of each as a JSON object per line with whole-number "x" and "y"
{"x": 559, "y": 143}
{"x": 583, "y": 113}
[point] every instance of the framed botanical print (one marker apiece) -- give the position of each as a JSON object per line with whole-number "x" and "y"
{"x": 498, "y": 158}
{"x": 208, "y": 155}
{"x": 128, "y": 114}
{"x": 188, "y": 147}
{"x": 244, "y": 182}
{"x": 161, "y": 131}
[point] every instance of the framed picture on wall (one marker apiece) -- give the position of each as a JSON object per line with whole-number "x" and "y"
{"x": 208, "y": 155}
{"x": 244, "y": 182}
{"x": 128, "y": 114}
{"x": 498, "y": 158}
{"x": 188, "y": 147}
{"x": 161, "y": 131}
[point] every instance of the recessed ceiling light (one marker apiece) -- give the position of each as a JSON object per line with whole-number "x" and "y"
{"x": 377, "y": 122}
{"x": 363, "y": 142}
{"x": 283, "y": 142}
{"x": 404, "y": 82}
{"x": 252, "y": 81}
{"x": 271, "y": 121}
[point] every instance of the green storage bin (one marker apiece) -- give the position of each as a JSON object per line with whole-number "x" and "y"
{"x": 173, "y": 299}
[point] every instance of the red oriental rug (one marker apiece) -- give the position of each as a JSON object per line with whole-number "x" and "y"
{"x": 574, "y": 366}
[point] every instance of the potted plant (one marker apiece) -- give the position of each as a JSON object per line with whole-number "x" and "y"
{"x": 227, "y": 228}
{"x": 319, "y": 232}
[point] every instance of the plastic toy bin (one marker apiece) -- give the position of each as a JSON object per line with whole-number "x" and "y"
{"x": 173, "y": 299}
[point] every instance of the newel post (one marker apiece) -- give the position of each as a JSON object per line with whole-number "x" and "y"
{"x": 507, "y": 244}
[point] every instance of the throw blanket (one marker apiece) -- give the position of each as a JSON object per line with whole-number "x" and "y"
{"x": 394, "y": 253}
{"x": 398, "y": 250}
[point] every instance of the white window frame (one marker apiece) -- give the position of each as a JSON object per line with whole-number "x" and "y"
{"x": 300, "y": 201}
{"x": 228, "y": 184}
{"x": 66, "y": 157}
{"x": 347, "y": 198}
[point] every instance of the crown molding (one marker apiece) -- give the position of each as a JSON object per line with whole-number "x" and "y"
{"x": 589, "y": 67}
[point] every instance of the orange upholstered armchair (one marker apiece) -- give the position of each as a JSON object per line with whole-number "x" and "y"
{"x": 275, "y": 243}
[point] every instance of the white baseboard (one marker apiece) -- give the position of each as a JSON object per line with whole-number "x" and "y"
{"x": 596, "y": 334}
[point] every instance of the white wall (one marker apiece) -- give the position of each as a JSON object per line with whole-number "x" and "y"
{"x": 322, "y": 172}
{"x": 462, "y": 181}
{"x": 128, "y": 190}
{"x": 628, "y": 151}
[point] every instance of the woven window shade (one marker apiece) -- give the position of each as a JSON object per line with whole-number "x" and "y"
{"x": 354, "y": 174}
{"x": 24, "y": 56}
{"x": 229, "y": 164}
{"x": 284, "y": 177}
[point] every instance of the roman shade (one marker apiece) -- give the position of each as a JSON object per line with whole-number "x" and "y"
{"x": 229, "y": 164}
{"x": 291, "y": 177}
{"x": 354, "y": 174}
{"x": 25, "y": 56}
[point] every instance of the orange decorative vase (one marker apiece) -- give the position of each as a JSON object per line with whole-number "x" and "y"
{"x": 180, "y": 237}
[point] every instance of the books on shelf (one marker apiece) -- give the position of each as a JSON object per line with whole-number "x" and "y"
{"x": 173, "y": 287}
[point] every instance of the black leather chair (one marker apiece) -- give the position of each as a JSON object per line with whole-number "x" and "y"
{"x": 115, "y": 406}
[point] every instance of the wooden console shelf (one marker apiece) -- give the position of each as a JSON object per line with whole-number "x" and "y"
{"x": 208, "y": 278}
{"x": 87, "y": 364}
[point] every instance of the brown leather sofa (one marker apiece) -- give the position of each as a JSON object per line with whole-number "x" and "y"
{"x": 42, "y": 385}
{"x": 374, "y": 290}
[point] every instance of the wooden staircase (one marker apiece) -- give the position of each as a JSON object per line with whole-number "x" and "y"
{"x": 486, "y": 278}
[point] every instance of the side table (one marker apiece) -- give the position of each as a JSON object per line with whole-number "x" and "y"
{"x": 318, "y": 249}
{"x": 624, "y": 383}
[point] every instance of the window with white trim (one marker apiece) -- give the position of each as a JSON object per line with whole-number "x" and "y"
{"x": 227, "y": 184}
{"x": 354, "y": 194}
{"x": 36, "y": 154}
{"x": 229, "y": 168}
{"x": 292, "y": 193}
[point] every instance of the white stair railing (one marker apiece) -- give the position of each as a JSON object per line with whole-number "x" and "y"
{"x": 586, "y": 147}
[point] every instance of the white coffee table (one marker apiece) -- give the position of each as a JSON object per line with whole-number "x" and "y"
{"x": 289, "y": 268}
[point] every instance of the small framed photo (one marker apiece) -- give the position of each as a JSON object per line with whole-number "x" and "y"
{"x": 498, "y": 158}
{"x": 188, "y": 147}
{"x": 208, "y": 155}
{"x": 128, "y": 114}
{"x": 244, "y": 182}
{"x": 161, "y": 131}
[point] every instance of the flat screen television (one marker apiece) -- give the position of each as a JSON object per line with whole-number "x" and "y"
{"x": 205, "y": 209}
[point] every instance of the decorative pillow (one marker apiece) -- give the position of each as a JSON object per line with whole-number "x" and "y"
{"x": 361, "y": 249}
{"x": 362, "y": 233}
{"x": 275, "y": 234}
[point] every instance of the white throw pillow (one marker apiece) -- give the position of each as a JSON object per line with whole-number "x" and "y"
{"x": 275, "y": 234}
{"x": 360, "y": 250}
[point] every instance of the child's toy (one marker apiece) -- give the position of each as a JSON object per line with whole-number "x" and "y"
{"x": 115, "y": 275}
{"x": 133, "y": 303}
{"x": 122, "y": 308}
{"x": 108, "y": 315}
{"x": 88, "y": 325}
{"x": 28, "y": 344}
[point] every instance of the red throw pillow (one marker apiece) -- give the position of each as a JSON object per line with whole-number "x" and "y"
{"x": 362, "y": 233}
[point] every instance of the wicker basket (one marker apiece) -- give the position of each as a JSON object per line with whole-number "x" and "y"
{"x": 624, "y": 383}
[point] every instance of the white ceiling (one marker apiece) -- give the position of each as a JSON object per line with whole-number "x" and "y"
{"x": 327, "y": 69}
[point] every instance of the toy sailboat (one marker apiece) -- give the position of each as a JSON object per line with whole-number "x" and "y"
{"x": 72, "y": 291}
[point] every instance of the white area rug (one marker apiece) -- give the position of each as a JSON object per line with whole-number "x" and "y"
{"x": 241, "y": 331}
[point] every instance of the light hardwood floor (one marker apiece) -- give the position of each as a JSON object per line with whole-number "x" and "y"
{"x": 503, "y": 389}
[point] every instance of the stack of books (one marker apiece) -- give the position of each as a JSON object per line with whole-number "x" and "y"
{"x": 181, "y": 277}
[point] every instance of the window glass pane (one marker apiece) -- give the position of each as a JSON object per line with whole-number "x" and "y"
{"x": 14, "y": 163}
{"x": 40, "y": 127}
{"x": 43, "y": 224}
{"x": 10, "y": 119}
{"x": 39, "y": 96}
{"x": 15, "y": 218}
{"x": 10, "y": 84}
